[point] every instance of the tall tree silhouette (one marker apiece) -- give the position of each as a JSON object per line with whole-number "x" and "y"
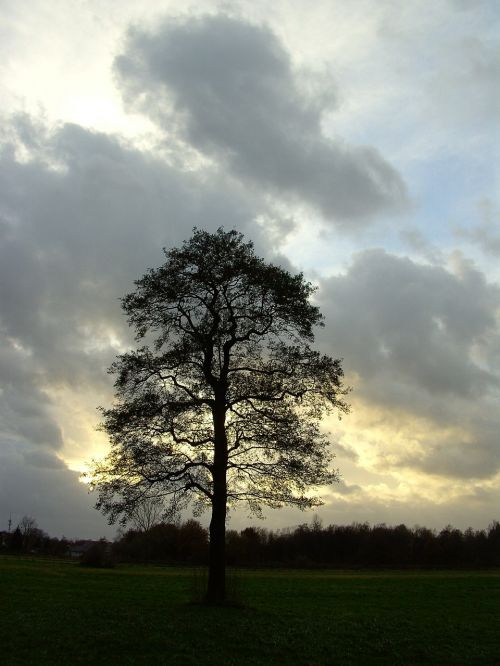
{"x": 224, "y": 401}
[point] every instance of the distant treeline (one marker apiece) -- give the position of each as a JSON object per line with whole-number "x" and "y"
{"x": 343, "y": 546}
{"x": 356, "y": 545}
{"x": 28, "y": 538}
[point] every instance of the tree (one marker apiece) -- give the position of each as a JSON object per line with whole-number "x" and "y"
{"x": 223, "y": 402}
{"x": 16, "y": 541}
{"x": 150, "y": 511}
{"x": 30, "y": 532}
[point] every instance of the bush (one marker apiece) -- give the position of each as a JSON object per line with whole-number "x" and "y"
{"x": 99, "y": 556}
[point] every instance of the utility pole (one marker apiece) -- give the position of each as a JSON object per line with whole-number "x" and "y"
{"x": 10, "y": 522}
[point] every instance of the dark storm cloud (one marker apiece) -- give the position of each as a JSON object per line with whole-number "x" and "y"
{"x": 39, "y": 485}
{"x": 24, "y": 407}
{"x": 478, "y": 458}
{"x": 418, "y": 321}
{"x": 422, "y": 341}
{"x": 83, "y": 218}
{"x": 234, "y": 96}
{"x": 43, "y": 459}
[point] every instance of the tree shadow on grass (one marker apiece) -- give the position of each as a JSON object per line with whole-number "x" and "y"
{"x": 198, "y": 589}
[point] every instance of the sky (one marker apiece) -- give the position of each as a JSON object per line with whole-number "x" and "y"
{"x": 357, "y": 142}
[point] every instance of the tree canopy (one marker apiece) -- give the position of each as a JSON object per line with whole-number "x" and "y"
{"x": 223, "y": 401}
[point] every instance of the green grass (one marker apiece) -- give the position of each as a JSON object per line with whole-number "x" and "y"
{"x": 60, "y": 613}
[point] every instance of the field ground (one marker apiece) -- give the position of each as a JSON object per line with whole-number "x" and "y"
{"x": 59, "y": 613}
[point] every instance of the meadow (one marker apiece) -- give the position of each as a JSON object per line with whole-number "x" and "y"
{"x": 56, "y": 612}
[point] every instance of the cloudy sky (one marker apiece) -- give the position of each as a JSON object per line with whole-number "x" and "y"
{"x": 355, "y": 141}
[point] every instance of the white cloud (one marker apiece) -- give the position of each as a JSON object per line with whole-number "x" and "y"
{"x": 486, "y": 234}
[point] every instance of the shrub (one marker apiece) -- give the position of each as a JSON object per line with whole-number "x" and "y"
{"x": 99, "y": 556}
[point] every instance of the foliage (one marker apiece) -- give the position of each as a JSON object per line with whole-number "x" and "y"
{"x": 29, "y": 538}
{"x": 185, "y": 543}
{"x": 228, "y": 329}
{"x": 342, "y": 546}
{"x": 99, "y": 556}
{"x": 30, "y": 533}
{"x": 147, "y": 513}
{"x": 361, "y": 545}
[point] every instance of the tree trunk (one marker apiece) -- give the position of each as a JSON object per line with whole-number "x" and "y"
{"x": 216, "y": 591}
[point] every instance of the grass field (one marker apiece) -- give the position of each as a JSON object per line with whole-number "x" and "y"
{"x": 60, "y": 613}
